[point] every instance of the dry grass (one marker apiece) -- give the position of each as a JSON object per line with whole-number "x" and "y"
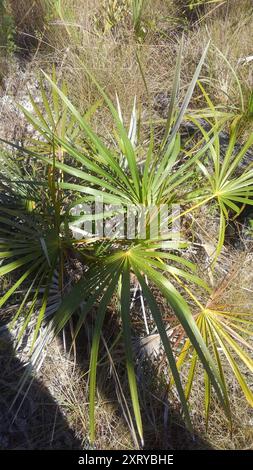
{"x": 67, "y": 383}
{"x": 73, "y": 35}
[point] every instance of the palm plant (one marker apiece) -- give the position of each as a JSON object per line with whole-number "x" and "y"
{"x": 231, "y": 192}
{"x": 238, "y": 114}
{"x": 36, "y": 236}
{"x": 227, "y": 332}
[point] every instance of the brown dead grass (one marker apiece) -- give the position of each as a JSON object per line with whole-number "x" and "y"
{"x": 68, "y": 384}
{"x": 74, "y": 38}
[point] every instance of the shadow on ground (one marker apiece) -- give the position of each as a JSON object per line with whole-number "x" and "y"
{"x": 35, "y": 420}
{"x": 163, "y": 426}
